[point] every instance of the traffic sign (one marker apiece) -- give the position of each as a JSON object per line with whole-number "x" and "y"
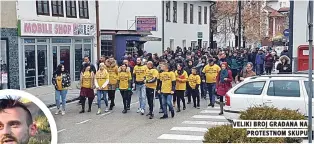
{"x": 286, "y": 32}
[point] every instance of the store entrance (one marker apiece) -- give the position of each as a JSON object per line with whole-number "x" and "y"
{"x": 61, "y": 55}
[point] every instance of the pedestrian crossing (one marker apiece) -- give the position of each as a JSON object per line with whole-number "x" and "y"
{"x": 192, "y": 130}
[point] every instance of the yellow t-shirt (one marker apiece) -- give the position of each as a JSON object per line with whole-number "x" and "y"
{"x": 140, "y": 72}
{"x": 86, "y": 80}
{"x": 194, "y": 80}
{"x": 167, "y": 78}
{"x": 211, "y": 73}
{"x": 102, "y": 77}
{"x": 124, "y": 78}
{"x": 181, "y": 85}
{"x": 151, "y": 74}
{"x": 113, "y": 74}
{"x": 59, "y": 82}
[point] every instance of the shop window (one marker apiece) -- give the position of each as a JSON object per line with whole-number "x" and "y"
{"x": 87, "y": 50}
{"x": 54, "y": 58}
{"x": 87, "y": 40}
{"x": 168, "y": 11}
{"x": 83, "y": 9}
{"x": 174, "y": 11}
{"x": 41, "y": 40}
{"x": 78, "y": 61}
{"x": 30, "y": 66}
{"x": 3, "y": 64}
{"x": 185, "y": 13}
{"x": 29, "y": 40}
{"x": 55, "y": 40}
{"x": 78, "y": 41}
{"x": 42, "y": 65}
{"x": 205, "y": 15}
{"x": 191, "y": 14}
{"x": 106, "y": 48}
{"x": 42, "y": 7}
{"x": 71, "y": 9}
{"x": 57, "y": 8}
{"x": 199, "y": 15}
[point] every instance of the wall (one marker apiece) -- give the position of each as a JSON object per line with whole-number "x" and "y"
{"x": 180, "y": 31}
{"x": 120, "y": 15}
{"x": 279, "y": 4}
{"x": 300, "y": 27}
{"x": 8, "y": 14}
{"x": 120, "y": 41}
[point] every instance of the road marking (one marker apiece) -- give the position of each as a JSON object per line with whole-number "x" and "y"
{"x": 208, "y": 117}
{"x": 193, "y": 129}
{"x": 205, "y": 123}
{"x": 61, "y": 130}
{"x": 210, "y": 111}
{"x": 105, "y": 113}
{"x": 83, "y": 121}
{"x": 181, "y": 137}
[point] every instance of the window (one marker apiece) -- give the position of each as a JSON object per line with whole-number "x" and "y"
{"x": 57, "y": 8}
{"x": 83, "y": 7}
{"x": 71, "y": 9}
{"x": 251, "y": 88}
{"x": 205, "y": 15}
{"x": 42, "y": 7}
{"x": 174, "y": 11}
{"x": 185, "y": 13}
{"x": 284, "y": 88}
{"x": 306, "y": 83}
{"x": 168, "y": 11}
{"x": 106, "y": 47}
{"x": 191, "y": 13}
{"x": 199, "y": 15}
{"x": 78, "y": 56}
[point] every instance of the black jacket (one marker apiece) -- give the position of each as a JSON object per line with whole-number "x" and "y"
{"x": 66, "y": 80}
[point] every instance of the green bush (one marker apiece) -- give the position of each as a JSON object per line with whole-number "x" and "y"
{"x": 37, "y": 141}
{"x": 227, "y": 134}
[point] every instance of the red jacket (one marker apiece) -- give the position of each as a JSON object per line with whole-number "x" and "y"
{"x": 223, "y": 88}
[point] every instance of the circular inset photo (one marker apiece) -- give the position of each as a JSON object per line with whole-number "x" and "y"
{"x": 24, "y": 119}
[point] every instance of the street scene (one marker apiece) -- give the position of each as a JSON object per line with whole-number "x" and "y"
{"x": 161, "y": 71}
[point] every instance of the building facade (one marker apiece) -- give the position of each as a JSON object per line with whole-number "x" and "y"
{"x": 186, "y": 22}
{"x": 49, "y": 33}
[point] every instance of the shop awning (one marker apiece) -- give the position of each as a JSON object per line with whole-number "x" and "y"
{"x": 149, "y": 38}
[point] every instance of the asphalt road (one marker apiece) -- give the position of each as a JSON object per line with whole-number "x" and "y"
{"x": 187, "y": 126}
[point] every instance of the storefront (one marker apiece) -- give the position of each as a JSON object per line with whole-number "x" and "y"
{"x": 44, "y": 45}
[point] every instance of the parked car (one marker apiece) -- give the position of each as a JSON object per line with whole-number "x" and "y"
{"x": 281, "y": 91}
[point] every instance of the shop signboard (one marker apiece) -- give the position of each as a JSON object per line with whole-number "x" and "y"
{"x": 38, "y": 28}
{"x": 146, "y": 23}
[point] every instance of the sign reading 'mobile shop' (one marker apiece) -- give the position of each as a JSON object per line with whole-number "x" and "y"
{"x": 37, "y": 28}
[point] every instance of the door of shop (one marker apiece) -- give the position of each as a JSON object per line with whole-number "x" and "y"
{"x": 61, "y": 55}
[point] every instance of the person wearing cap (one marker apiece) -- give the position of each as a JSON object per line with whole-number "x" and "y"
{"x": 209, "y": 75}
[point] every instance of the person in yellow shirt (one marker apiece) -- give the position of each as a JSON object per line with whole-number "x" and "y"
{"x": 166, "y": 87}
{"x": 87, "y": 84}
{"x": 181, "y": 79}
{"x": 194, "y": 83}
{"x": 130, "y": 92}
{"x": 139, "y": 76}
{"x": 125, "y": 82}
{"x": 151, "y": 84}
{"x": 112, "y": 69}
{"x": 209, "y": 75}
{"x": 61, "y": 80}
{"x": 101, "y": 82}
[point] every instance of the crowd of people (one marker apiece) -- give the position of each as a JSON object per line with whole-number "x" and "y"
{"x": 187, "y": 72}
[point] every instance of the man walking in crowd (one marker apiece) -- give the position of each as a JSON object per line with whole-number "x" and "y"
{"x": 139, "y": 73}
{"x": 260, "y": 60}
{"x": 151, "y": 85}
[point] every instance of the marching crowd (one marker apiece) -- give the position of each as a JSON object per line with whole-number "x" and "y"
{"x": 187, "y": 72}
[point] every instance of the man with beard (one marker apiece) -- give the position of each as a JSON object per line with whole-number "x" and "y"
{"x": 16, "y": 122}
{"x": 151, "y": 85}
{"x": 139, "y": 74}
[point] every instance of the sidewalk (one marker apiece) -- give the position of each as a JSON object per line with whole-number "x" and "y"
{"x": 47, "y": 94}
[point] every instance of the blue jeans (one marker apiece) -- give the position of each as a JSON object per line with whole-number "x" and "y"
{"x": 167, "y": 100}
{"x": 141, "y": 92}
{"x": 211, "y": 87}
{"x": 62, "y": 94}
{"x": 203, "y": 89}
{"x": 160, "y": 99}
{"x": 101, "y": 93}
{"x": 259, "y": 69}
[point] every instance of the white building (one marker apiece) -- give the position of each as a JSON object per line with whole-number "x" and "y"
{"x": 277, "y": 4}
{"x": 186, "y": 22}
{"x": 54, "y": 32}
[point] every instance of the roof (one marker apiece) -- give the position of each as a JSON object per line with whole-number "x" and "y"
{"x": 284, "y": 9}
{"x": 269, "y": 9}
{"x": 276, "y": 14}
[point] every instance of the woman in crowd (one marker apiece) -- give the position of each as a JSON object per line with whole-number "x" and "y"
{"x": 194, "y": 83}
{"x": 61, "y": 80}
{"x": 181, "y": 79}
{"x": 124, "y": 81}
{"x": 284, "y": 66}
{"x": 112, "y": 68}
{"x": 246, "y": 72}
{"x": 101, "y": 82}
{"x": 269, "y": 63}
{"x": 87, "y": 84}
{"x": 224, "y": 83}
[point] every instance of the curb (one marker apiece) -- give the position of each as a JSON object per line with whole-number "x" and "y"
{"x": 67, "y": 101}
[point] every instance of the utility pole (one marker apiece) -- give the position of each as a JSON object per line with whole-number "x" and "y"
{"x": 163, "y": 26}
{"x": 239, "y": 23}
{"x": 97, "y": 29}
{"x": 290, "y": 48}
{"x": 310, "y": 24}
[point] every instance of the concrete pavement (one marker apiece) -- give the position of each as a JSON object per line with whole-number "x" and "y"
{"x": 115, "y": 127}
